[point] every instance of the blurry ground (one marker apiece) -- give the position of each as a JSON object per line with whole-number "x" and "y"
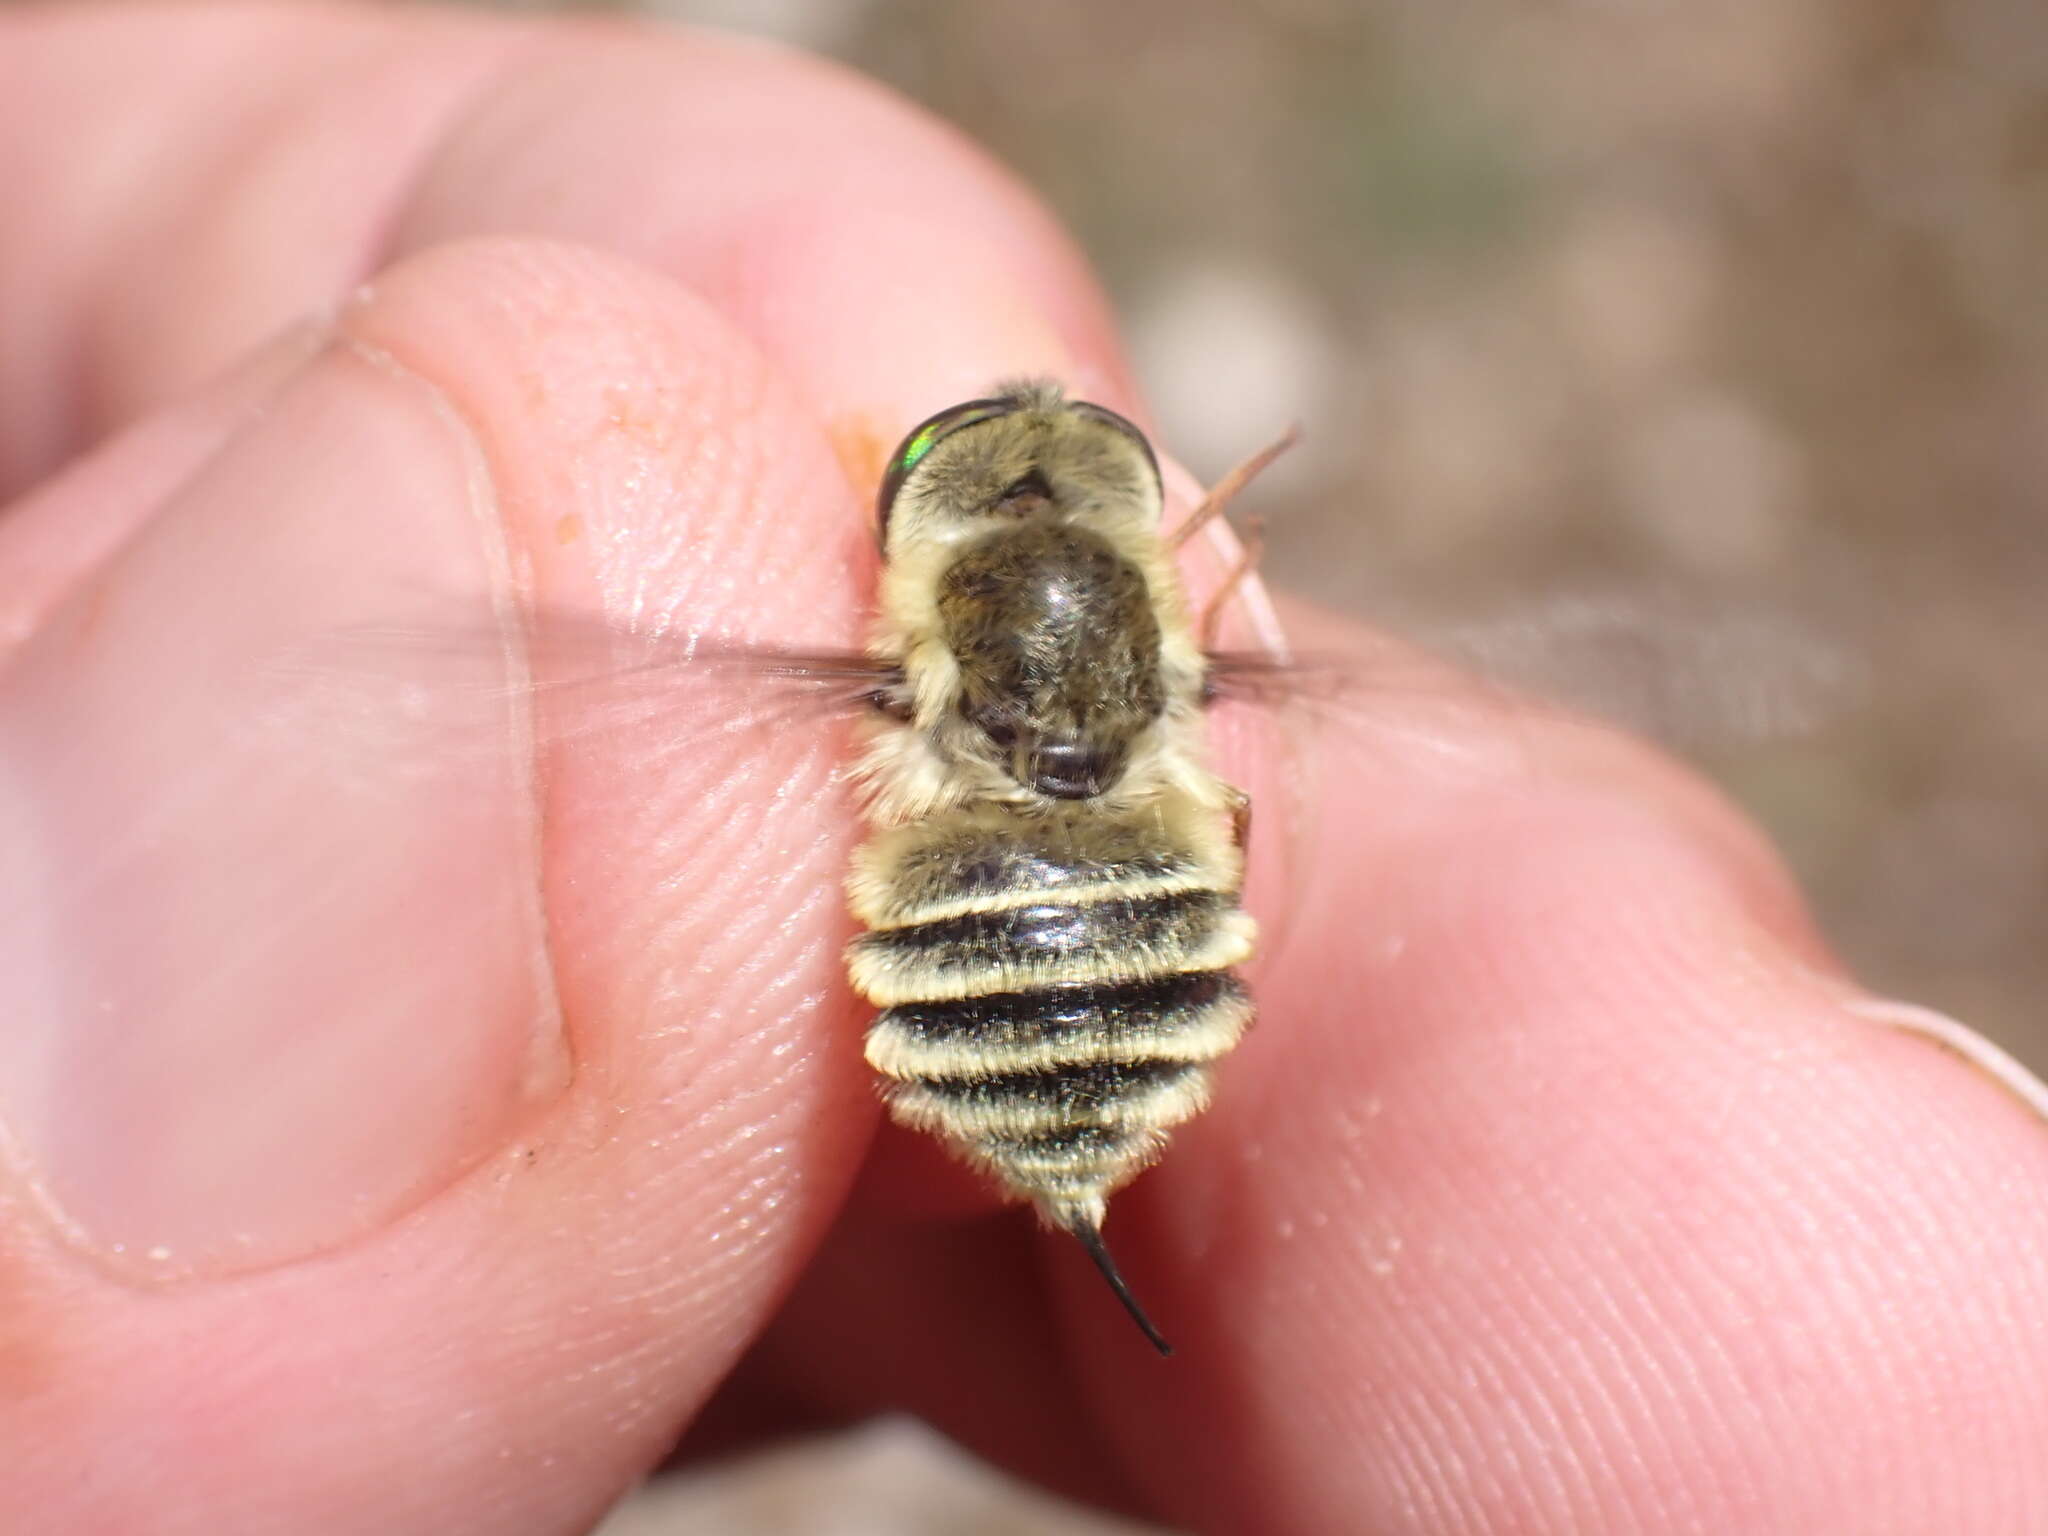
{"x": 1696, "y": 350}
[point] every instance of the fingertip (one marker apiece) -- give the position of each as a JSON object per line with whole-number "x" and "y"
{"x": 1554, "y": 1183}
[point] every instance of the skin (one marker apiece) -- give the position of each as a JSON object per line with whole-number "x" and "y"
{"x": 1564, "y": 1184}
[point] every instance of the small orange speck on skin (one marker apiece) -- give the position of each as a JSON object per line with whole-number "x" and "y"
{"x": 92, "y": 612}
{"x": 861, "y": 449}
{"x": 30, "y": 1360}
{"x": 633, "y": 415}
{"x": 568, "y": 528}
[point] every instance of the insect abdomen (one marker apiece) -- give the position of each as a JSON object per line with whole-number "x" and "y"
{"x": 1054, "y": 988}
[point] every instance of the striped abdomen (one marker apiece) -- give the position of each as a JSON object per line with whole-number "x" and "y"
{"x": 1053, "y": 987}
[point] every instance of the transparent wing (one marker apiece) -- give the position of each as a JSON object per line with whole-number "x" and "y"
{"x": 1691, "y": 672}
{"x": 417, "y": 697}
{"x": 400, "y": 697}
{"x": 1690, "y": 669}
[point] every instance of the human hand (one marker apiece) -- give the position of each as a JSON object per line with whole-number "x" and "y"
{"x": 422, "y": 1154}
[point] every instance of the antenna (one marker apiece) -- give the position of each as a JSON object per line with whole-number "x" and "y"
{"x": 1091, "y": 1239}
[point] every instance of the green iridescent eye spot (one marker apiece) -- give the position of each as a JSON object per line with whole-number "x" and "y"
{"x": 922, "y": 440}
{"x": 917, "y": 448}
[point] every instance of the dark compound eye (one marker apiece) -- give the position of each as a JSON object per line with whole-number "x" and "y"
{"x": 922, "y": 440}
{"x": 1110, "y": 419}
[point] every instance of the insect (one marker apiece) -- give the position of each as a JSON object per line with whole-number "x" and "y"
{"x": 1050, "y": 884}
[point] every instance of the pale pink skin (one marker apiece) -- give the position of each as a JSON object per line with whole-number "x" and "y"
{"x": 1560, "y": 1188}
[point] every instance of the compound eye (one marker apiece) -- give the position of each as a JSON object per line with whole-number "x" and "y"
{"x": 924, "y": 437}
{"x": 1116, "y": 423}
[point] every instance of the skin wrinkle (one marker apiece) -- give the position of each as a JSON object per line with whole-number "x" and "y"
{"x": 1625, "y": 1349}
{"x": 380, "y": 240}
{"x": 1560, "y": 1407}
{"x": 1687, "y": 1328}
{"x": 1629, "y": 1362}
{"x": 105, "y": 354}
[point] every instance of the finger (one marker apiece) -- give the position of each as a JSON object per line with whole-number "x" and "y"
{"x": 1557, "y": 1190}
{"x": 345, "y": 1072}
{"x": 879, "y": 261}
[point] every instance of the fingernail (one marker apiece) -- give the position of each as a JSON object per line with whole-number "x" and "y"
{"x": 1963, "y": 1041}
{"x": 270, "y": 903}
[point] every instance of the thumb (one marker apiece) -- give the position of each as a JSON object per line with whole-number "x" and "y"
{"x": 360, "y": 1051}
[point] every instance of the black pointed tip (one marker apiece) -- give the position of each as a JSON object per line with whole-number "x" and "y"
{"x": 1090, "y": 1237}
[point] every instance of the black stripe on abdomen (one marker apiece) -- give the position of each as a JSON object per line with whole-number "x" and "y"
{"x": 1191, "y": 1015}
{"x": 1019, "y": 935}
{"x": 1049, "y": 943}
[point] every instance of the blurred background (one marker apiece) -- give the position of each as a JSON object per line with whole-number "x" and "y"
{"x": 1687, "y": 359}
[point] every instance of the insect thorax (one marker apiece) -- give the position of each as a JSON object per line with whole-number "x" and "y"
{"x": 1057, "y": 647}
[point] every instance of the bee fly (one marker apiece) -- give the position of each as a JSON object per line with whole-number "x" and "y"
{"x": 1050, "y": 886}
